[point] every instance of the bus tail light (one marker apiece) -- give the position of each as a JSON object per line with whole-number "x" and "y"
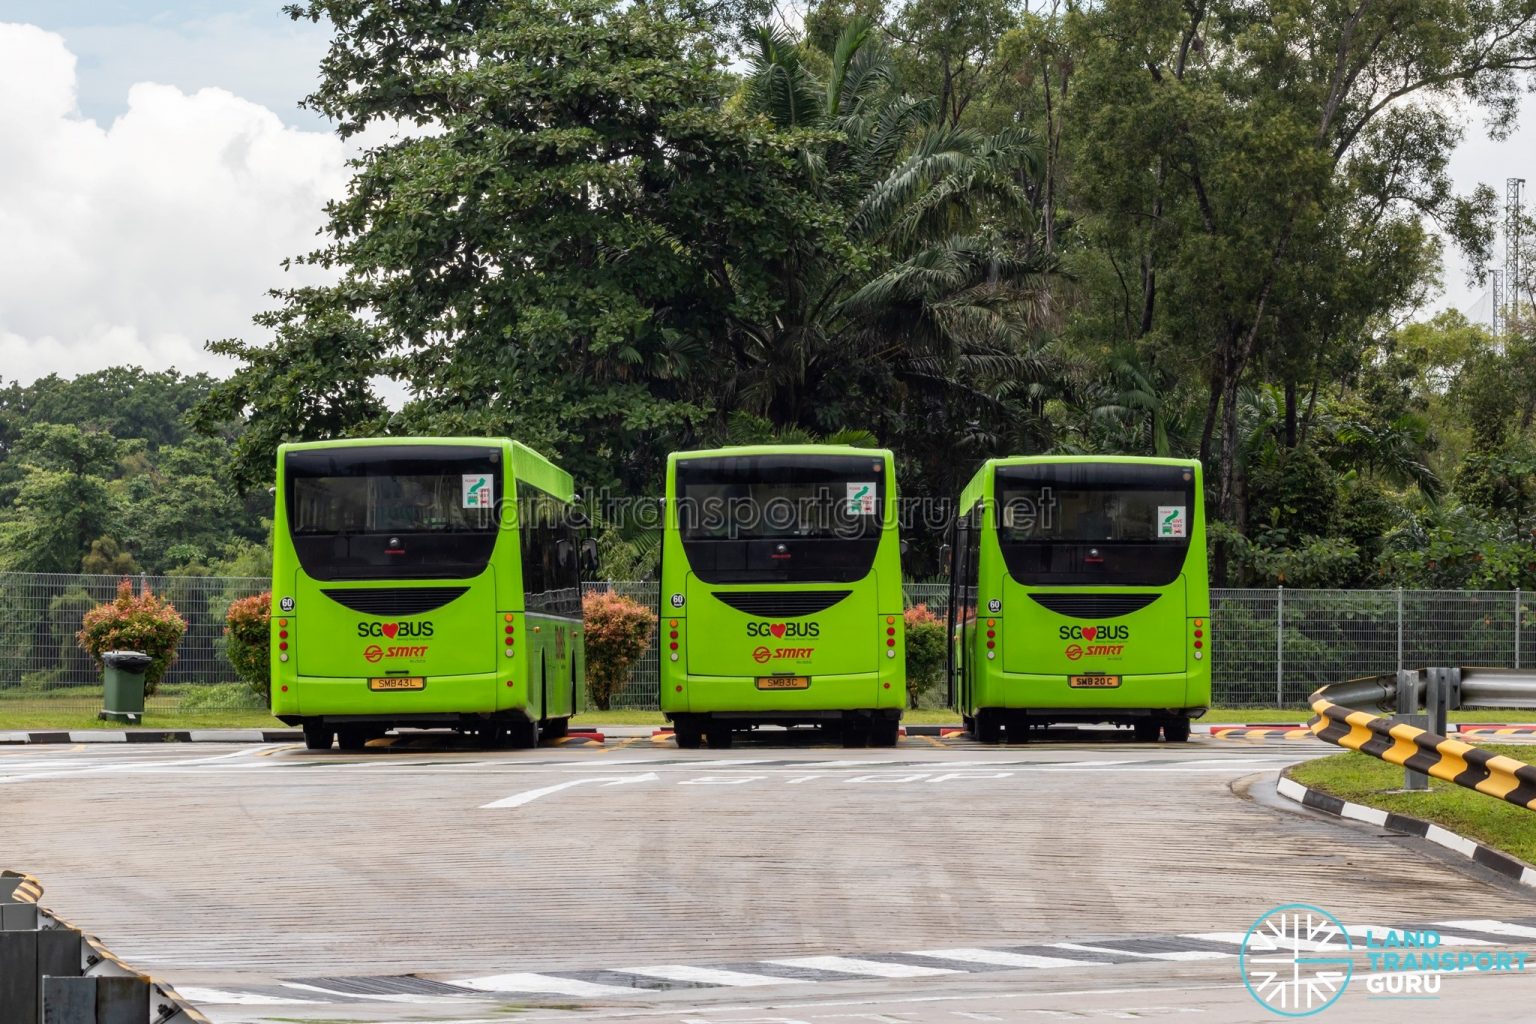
{"x": 509, "y": 634}
{"x": 1197, "y": 640}
{"x": 674, "y": 639}
{"x": 893, "y": 625}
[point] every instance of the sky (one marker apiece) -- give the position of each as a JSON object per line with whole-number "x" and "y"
{"x": 155, "y": 169}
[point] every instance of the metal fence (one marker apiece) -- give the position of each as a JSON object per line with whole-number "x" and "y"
{"x": 1269, "y": 647}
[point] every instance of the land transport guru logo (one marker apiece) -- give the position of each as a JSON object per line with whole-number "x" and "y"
{"x": 1298, "y": 960}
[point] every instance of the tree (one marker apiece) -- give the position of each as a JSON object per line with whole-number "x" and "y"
{"x": 61, "y": 502}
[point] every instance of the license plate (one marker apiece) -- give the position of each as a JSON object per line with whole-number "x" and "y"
{"x": 783, "y": 682}
{"x": 397, "y": 683}
{"x": 1093, "y": 682}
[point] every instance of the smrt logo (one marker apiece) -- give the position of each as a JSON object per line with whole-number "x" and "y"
{"x": 764, "y": 654}
{"x": 779, "y": 630}
{"x": 373, "y": 653}
{"x": 1094, "y": 632}
{"x": 394, "y": 629}
{"x": 1075, "y": 651}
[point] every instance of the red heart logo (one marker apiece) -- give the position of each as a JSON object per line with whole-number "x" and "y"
{"x": 391, "y": 628}
{"x": 1089, "y": 632}
{"x": 777, "y": 629}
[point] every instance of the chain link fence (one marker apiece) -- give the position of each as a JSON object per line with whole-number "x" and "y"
{"x": 1270, "y": 647}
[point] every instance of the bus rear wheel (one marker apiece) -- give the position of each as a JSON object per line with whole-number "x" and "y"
{"x": 720, "y": 737}
{"x": 1176, "y": 729}
{"x": 989, "y": 726}
{"x": 351, "y": 737}
{"x": 1146, "y": 730}
{"x": 523, "y": 735}
{"x": 555, "y": 728}
{"x": 318, "y": 737}
{"x": 688, "y": 735}
{"x": 884, "y": 732}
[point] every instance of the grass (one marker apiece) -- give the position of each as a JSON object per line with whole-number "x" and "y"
{"x": 1363, "y": 779}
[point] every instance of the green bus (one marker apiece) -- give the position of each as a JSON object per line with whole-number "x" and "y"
{"x": 425, "y": 582}
{"x": 1079, "y": 592}
{"x": 781, "y": 596}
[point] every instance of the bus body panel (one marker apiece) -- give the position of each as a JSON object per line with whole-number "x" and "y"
{"x": 1145, "y": 656}
{"x": 324, "y": 653}
{"x": 851, "y": 650}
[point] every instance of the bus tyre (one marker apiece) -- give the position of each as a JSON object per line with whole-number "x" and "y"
{"x": 555, "y": 728}
{"x": 1176, "y": 730}
{"x": 1146, "y": 730}
{"x": 884, "y": 732}
{"x": 351, "y": 737}
{"x": 317, "y": 736}
{"x": 1017, "y": 727}
{"x": 989, "y": 726}
{"x": 688, "y": 735}
{"x": 719, "y": 737}
{"x": 523, "y": 735}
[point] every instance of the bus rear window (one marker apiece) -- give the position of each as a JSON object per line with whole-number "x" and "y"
{"x": 394, "y": 512}
{"x": 1094, "y": 523}
{"x": 780, "y": 518}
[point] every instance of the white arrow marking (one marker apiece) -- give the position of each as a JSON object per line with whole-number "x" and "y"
{"x": 534, "y": 794}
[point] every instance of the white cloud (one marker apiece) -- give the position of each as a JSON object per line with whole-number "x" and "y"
{"x": 136, "y": 242}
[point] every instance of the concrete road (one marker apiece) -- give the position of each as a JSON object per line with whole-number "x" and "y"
{"x": 939, "y": 881}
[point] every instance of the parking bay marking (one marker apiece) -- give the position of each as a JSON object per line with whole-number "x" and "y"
{"x": 533, "y": 794}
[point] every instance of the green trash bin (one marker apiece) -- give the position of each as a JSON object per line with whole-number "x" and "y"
{"x": 123, "y": 685}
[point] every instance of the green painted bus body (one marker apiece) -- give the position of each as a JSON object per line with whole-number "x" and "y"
{"x": 485, "y": 647}
{"x": 724, "y": 643}
{"x": 1160, "y": 653}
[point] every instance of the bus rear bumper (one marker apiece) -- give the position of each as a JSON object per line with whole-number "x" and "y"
{"x": 740, "y": 697}
{"x": 441, "y": 701}
{"x": 1182, "y": 693}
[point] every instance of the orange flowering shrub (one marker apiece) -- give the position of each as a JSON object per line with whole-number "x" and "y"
{"x": 134, "y": 623}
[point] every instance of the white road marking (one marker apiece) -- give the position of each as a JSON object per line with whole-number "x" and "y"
{"x": 217, "y": 996}
{"x": 1192, "y": 954}
{"x": 1002, "y": 959}
{"x": 533, "y": 794}
{"x": 542, "y": 983}
{"x": 704, "y": 975}
{"x": 1518, "y": 931}
{"x": 374, "y": 996}
{"x": 852, "y": 965}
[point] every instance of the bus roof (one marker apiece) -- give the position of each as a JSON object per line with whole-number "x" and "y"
{"x": 745, "y": 450}
{"x": 527, "y": 465}
{"x": 976, "y": 487}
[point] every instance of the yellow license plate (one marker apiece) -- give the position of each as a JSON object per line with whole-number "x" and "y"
{"x": 783, "y": 682}
{"x": 397, "y": 683}
{"x": 1093, "y": 682}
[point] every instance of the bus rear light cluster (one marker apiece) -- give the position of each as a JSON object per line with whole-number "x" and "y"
{"x": 672, "y": 636}
{"x": 1199, "y": 641}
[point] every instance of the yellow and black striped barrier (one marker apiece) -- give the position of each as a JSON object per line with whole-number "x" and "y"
{"x": 1423, "y": 751}
{"x": 16, "y": 887}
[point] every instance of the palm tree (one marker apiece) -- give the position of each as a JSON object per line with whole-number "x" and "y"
{"x": 934, "y": 286}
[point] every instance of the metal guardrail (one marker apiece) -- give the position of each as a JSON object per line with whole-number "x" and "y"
{"x": 1416, "y": 740}
{"x": 51, "y": 971}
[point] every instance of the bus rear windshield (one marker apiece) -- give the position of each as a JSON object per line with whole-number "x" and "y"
{"x": 397, "y": 512}
{"x": 780, "y": 518}
{"x": 1094, "y": 523}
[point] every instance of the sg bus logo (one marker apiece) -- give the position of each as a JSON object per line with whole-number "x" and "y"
{"x": 394, "y": 629}
{"x": 1095, "y": 632}
{"x": 779, "y": 630}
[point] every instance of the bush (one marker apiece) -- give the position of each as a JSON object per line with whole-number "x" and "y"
{"x": 128, "y": 623}
{"x": 927, "y": 640}
{"x": 248, "y": 636}
{"x": 66, "y": 613}
{"x": 618, "y": 632}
